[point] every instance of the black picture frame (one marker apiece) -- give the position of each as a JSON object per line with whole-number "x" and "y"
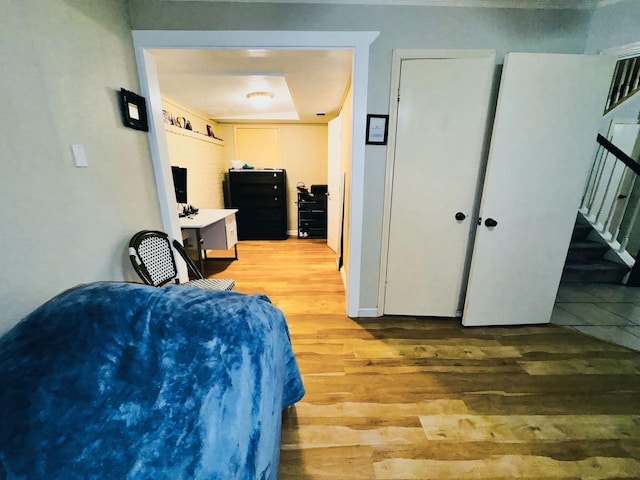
{"x": 134, "y": 110}
{"x": 377, "y": 129}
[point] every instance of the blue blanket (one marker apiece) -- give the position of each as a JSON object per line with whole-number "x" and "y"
{"x": 125, "y": 381}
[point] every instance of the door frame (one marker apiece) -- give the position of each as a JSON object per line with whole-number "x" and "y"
{"x": 398, "y": 57}
{"x": 334, "y": 134}
{"x": 145, "y": 41}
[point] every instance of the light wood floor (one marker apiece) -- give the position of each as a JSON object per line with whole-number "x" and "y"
{"x": 423, "y": 398}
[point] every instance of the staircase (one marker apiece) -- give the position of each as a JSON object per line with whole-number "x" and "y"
{"x": 586, "y": 261}
{"x": 608, "y": 221}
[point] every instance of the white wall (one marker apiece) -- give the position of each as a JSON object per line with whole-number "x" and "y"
{"x": 202, "y": 156}
{"x": 62, "y": 63}
{"x": 505, "y": 30}
{"x": 203, "y": 159}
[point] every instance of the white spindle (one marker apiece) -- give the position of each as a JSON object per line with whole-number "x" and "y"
{"x": 614, "y": 85}
{"x": 604, "y": 198}
{"x": 601, "y": 154}
{"x": 619, "y": 94}
{"x": 629, "y": 228}
{"x": 635, "y": 80}
{"x": 591, "y": 180}
{"x": 627, "y": 199}
{"x": 615, "y": 203}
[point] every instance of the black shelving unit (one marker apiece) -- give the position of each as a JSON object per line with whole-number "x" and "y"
{"x": 312, "y": 215}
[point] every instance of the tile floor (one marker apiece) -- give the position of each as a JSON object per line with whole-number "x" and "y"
{"x": 608, "y": 312}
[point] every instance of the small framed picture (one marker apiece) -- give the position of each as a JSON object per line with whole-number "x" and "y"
{"x": 134, "y": 110}
{"x": 377, "y": 129}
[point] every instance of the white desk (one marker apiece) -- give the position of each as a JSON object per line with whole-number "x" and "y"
{"x": 211, "y": 230}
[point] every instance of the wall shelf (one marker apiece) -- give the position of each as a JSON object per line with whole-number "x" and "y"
{"x": 195, "y": 135}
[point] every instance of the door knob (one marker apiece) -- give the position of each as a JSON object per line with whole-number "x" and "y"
{"x": 490, "y": 222}
{"x": 460, "y": 216}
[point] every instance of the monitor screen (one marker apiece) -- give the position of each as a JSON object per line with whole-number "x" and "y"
{"x": 180, "y": 183}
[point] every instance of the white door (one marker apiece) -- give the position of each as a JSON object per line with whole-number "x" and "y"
{"x": 334, "y": 207}
{"x": 440, "y": 133}
{"x": 542, "y": 146}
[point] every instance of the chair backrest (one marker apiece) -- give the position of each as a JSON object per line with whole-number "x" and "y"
{"x": 152, "y": 257}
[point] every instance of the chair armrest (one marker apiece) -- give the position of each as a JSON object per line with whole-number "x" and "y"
{"x": 139, "y": 267}
{"x": 190, "y": 265}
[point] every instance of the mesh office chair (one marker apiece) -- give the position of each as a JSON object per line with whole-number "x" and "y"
{"x": 152, "y": 258}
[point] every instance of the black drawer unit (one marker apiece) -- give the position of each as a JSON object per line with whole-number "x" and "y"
{"x": 261, "y": 199}
{"x": 312, "y": 216}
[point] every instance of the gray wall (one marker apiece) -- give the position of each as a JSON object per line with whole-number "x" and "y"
{"x": 614, "y": 25}
{"x": 400, "y": 27}
{"x": 62, "y": 62}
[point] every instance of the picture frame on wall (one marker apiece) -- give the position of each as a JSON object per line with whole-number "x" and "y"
{"x": 134, "y": 110}
{"x": 377, "y": 129}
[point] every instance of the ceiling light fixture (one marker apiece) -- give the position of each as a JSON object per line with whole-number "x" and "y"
{"x": 260, "y": 95}
{"x": 260, "y": 100}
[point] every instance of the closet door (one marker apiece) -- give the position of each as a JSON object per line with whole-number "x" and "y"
{"x": 440, "y": 133}
{"x": 544, "y": 136}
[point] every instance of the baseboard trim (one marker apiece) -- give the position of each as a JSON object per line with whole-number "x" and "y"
{"x": 368, "y": 313}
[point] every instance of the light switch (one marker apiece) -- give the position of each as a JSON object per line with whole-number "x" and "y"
{"x": 79, "y": 155}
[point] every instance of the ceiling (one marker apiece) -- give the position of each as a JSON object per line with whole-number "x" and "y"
{"x": 308, "y": 86}
{"x": 446, "y": 3}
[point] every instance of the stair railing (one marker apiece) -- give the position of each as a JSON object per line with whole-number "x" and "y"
{"x": 611, "y": 202}
{"x": 625, "y": 82}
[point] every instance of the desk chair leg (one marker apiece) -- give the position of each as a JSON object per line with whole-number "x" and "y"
{"x": 200, "y": 259}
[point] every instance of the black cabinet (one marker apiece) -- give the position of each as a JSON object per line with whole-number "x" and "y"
{"x": 261, "y": 199}
{"x": 312, "y": 216}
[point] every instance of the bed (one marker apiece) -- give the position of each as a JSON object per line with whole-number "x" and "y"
{"x": 126, "y": 381}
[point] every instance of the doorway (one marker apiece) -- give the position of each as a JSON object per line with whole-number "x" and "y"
{"x": 359, "y": 42}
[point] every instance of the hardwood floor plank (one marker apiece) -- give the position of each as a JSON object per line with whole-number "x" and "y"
{"x": 324, "y": 436}
{"x": 566, "y": 451}
{"x": 582, "y": 366}
{"x": 394, "y": 386}
{"x": 530, "y": 428}
{"x": 595, "y": 403}
{"x": 385, "y": 350}
{"x": 341, "y": 463}
{"x": 378, "y": 410}
{"x": 508, "y": 466}
{"x": 400, "y": 367}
